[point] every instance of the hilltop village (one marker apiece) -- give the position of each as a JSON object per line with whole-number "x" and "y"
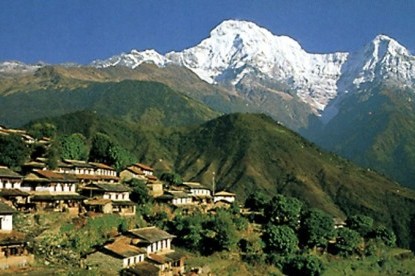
{"x": 91, "y": 189}
{"x": 93, "y": 218}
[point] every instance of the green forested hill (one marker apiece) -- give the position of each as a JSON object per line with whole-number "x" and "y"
{"x": 142, "y": 102}
{"x": 376, "y": 129}
{"x": 251, "y": 152}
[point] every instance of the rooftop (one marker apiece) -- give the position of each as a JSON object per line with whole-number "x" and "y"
{"x": 107, "y": 187}
{"x": 194, "y": 185}
{"x": 143, "y": 167}
{"x": 12, "y": 192}
{"x": 53, "y": 176}
{"x": 8, "y": 173}
{"x": 144, "y": 268}
{"x": 135, "y": 170}
{"x": 6, "y": 209}
{"x": 224, "y": 193}
{"x": 151, "y": 234}
{"x": 122, "y": 247}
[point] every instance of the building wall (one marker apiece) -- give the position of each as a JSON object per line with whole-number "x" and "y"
{"x": 126, "y": 262}
{"x": 117, "y": 196}
{"x": 163, "y": 245}
{"x": 6, "y": 222}
{"x": 16, "y": 261}
{"x": 182, "y": 200}
{"x": 199, "y": 192}
{"x": 10, "y": 184}
{"x": 226, "y": 198}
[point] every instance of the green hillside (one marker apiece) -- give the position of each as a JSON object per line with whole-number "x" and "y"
{"x": 142, "y": 102}
{"x": 254, "y": 96}
{"x": 376, "y": 129}
{"x": 249, "y": 152}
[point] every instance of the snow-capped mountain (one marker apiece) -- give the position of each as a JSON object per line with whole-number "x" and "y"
{"x": 237, "y": 49}
{"x": 17, "y": 67}
{"x": 132, "y": 59}
{"x": 242, "y": 54}
{"x": 383, "y": 59}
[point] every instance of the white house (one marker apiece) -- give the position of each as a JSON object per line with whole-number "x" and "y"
{"x": 6, "y": 217}
{"x": 224, "y": 196}
{"x": 9, "y": 179}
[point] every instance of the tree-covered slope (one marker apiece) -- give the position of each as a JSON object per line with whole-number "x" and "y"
{"x": 142, "y": 102}
{"x": 244, "y": 153}
{"x": 376, "y": 129}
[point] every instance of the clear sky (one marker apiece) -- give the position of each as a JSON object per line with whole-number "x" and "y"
{"x": 57, "y": 31}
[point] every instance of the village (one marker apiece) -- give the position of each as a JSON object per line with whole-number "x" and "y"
{"x": 81, "y": 188}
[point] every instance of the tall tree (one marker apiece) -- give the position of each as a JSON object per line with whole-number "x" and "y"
{"x": 13, "y": 151}
{"x": 316, "y": 228}
{"x": 225, "y": 232}
{"x": 283, "y": 210}
{"x": 100, "y": 149}
{"x": 139, "y": 193}
{"x": 360, "y": 223}
{"x": 40, "y": 130}
{"x": 74, "y": 147}
{"x": 347, "y": 241}
{"x": 280, "y": 239}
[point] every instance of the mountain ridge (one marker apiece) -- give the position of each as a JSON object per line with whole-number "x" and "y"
{"x": 236, "y": 49}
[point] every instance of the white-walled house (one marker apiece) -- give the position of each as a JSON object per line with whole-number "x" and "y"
{"x": 196, "y": 189}
{"x": 52, "y": 191}
{"x": 151, "y": 239}
{"x": 9, "y": 179}
{"x": 6, "y": 217}
{"x": 224, "y": 196}
{"x": 109, "y": 198}
{"x": 127, "y": 253}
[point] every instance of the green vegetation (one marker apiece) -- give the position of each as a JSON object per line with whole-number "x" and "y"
{"x": 250, "y": 152}
{"x": 141, "y": 102}
{"x": 387, "y": 145}
{"x": 74, "y": 146}
{"x": 14, "y": 152}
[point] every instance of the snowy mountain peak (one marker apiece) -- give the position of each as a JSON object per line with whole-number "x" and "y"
{"x": 17, "y": 67}
{"x": 243, "y": 54}
{"x": 383, "y": 45}
{"x": 132, "y": 59}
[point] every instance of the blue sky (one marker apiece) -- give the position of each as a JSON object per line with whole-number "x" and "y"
{"x": 57, "y": 31}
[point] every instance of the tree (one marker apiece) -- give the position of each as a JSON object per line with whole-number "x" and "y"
{"x": 224, "y": 231}
{"x": 53, "y": 155}
{"x": 100, "y": 149}
{"x": 40, "y": 130}
{"x": 190, "y": 231}
{"x": 280, "y": 239}
{"x": 347, "y": 241}
{"x": 171, "y": 178}
{"x": 139, "y": 193}
{"x": 13, "y": 151}
{"x": 252, "y": 250}
{"x": 304, "y": 265}
{"x": 120, "y": 157}
{"x": 284, "y": 210}
{"x": 316, "y": 228}
{"x": 360, "y": 223}
{"x": 256, "y": 201}
{"x": 74, "y": 147}
{"x": 385, "y": 235}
